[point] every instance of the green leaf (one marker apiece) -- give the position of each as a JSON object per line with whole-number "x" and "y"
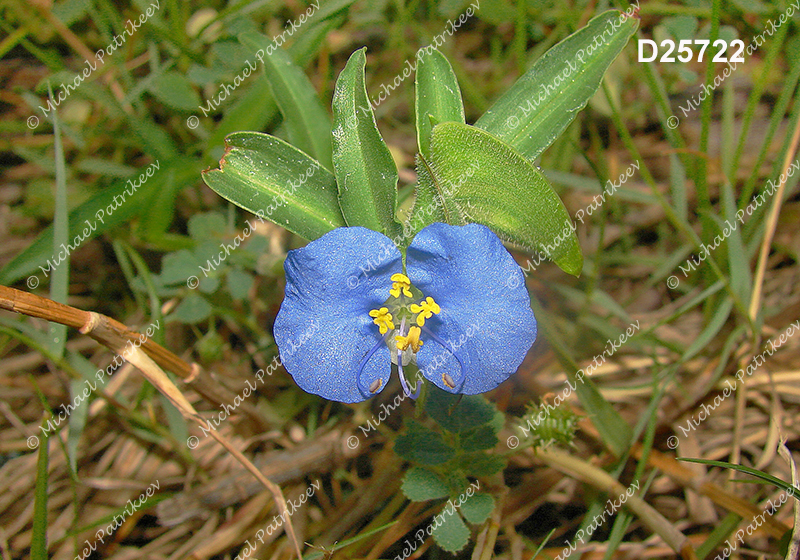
{"x": 366, "y": 174}
{"x": 239, "y": 283}
{"x": 429, "y": 206}
{"x": 480, "y": 438}
{"x": 191, "y": 310}
{"x": 421, "y": 484}
{"x": 493, "y": 184}
{"x": 438, "y": 97}
{"x": 261, "y": 173}
{"x": 308, "y": 43}
{"x": 450, "y": 532}
{"x": 206, "y": 225}
{"x": 152, "y": 137}
{"x": 423, "y": 445}
{"x": 477, "y": 508}
{"x": 455, "y": 480}
{"x": 307, "y": 122}
{"x": 471, "y": 411}
{"x": 480, "y": 464}
{"x": 177, "y": 267}
{"x": 211, "y": 257}
{"x": 543, "y": 102}
{"x": 176, "y": 91}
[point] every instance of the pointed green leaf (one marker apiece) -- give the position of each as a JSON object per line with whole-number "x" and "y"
{"x": 450, "y": 532}
{"x": 429, "y": 206}
{"x": 477, "y": 508}
{"x": 366, "y": 174}
{"x": 307, "y": 122}
{"x": 421, "y": 484}
{"x": 493, "y": 184}
{"x": 270, "y": 178}
{"x": 437, "y": 96}
{"x": 178, "y": 427}
{"x": 542, "y": 103}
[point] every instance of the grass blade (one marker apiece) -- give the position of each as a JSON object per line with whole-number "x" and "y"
{"x": 59, "y": 283}
{"x": 761, "y": 475}
{"x": 39, "y": 538}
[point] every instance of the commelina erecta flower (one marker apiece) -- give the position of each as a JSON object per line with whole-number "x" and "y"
{"x": 450, "y": 310}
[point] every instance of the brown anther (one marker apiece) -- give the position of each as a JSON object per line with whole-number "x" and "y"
{"x": 448, "y": 381}
{"x": 376, "y": 385}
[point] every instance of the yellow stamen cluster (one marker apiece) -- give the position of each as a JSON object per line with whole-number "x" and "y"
{"x": 426, "y": 309}
{"x": 398, "y": 310}
{"x": 412, "y": 339}
{"x": 400, "y": 283}
{"x": 383, "y": 319}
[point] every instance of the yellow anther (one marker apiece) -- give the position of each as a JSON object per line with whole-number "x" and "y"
{"x": 400, "y": 283}
{"x": 383, "y": 319}
{"x": 426, "y": 309}
{"x": 412, "y": 339}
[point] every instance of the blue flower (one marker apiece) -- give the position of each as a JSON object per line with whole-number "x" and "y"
{"x": 460, "y": 310}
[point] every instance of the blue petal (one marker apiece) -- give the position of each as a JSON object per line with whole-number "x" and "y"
{"x": 486, "y": 316}
{"x": 323, "y": 329}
